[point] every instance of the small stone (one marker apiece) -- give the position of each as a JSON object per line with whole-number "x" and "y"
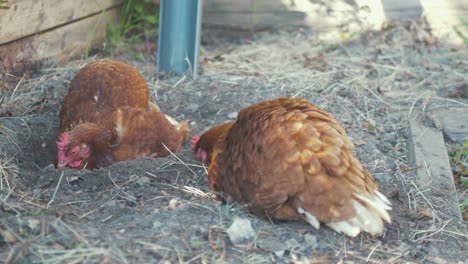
{"x": 157, "y": 224}
{"x": 173, "y": 203}
{"x": 271, "y": 244}
{"x": 73, "y": 178}
{"x": 111, "y": 203}
{"x": 292, "y": 243}
{"x": 382, "y": 177}
{"x": 310, "y": 240}
{"x": 131, "y": 198}
{"x": 191, "y": 108}
{"x": 279, "y": 254}
{"x": 37, "y": 193}
{"x": 240, "y": 230}
{"x": 233, "y": 115}
{"x": 143, "y": 181}
{"x": 32, "y": 223}
{"x": 44, "y": 180}
{"x": 388, "y": 145}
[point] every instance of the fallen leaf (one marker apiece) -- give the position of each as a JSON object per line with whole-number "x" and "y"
{"x": 33, "y": 223}
{"x": 7, "y": 236}
{"x": 425, "y": 214}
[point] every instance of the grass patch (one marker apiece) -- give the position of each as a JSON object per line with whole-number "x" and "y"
{"x": 464, "y": 209}
{"x": 138, "y": 22}
{"x": 3, "y": 4}
{"x": 459, "y": 162}
{"x": 458, "y": 30}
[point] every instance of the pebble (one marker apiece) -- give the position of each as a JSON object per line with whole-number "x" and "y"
{"x": 233, "y": 115}
{"x": 240, "y": 230}
{"x": 191, "y": 108}
{"x": 382, "y": 177}
{"x": 292, "y": 243}
{"x": 44, "y": 180}
{"x": 143, "y": 181}
{"x": 271, "y": 244}
{"x": 310, "y": 240}
{"x": 157, "y": 225}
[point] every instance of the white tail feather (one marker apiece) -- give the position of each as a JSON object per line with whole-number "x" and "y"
{"x": 312, "y": 220}
{"x": 383, "y": 198}
{"x": 345, "y": 227}
{"x": 370, "y": 210}
{"x": 377, "y": 204}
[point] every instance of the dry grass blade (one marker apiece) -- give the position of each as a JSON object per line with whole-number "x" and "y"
{"x": 181, "y": 161}
{"x": 154, "y": 246}
{"x": 430, "y": 232}
{"x": 8, "y": 172}
{"x": 52, "y": 199}
{"x": 79, "y": 255}
{"x": 196, "y": 191}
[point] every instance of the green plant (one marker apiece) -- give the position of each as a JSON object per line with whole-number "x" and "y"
{"x": 459, "y": 158}
{"x": 459, "y": 162}
{"x": 458, "y": 30}
{"x": 464, "y": 209}
{"x": 3, "y": 4}
{"x": 253, "y": 20}
{"x": 135, "y": 17}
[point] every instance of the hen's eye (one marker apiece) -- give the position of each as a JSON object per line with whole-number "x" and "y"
{"x": 73, "y": 152}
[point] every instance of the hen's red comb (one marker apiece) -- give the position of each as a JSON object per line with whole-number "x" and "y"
{"x": 62, "y": 142}
{"x": 195, "y": 140}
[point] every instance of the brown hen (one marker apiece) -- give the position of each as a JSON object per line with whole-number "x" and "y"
{"x": 290, "y": 160}
{"x": 107, "y": 117}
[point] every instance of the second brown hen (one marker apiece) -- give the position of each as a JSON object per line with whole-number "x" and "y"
{"x": 107, "y": 117}
{"x": 290, "y": 160}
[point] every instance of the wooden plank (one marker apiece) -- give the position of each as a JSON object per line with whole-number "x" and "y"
{"x": 454, "y": 122}
{"x": 425, "y": 4}
{"x": 324, "y": 16}
{"x": 268, "y": 6}
{"x": 62, "y": 43}
{"x": 26, "y": 17}
{"x": 435, "y": 185}
{"x": 241, "y": 6}
{"x": 251, "y": 14}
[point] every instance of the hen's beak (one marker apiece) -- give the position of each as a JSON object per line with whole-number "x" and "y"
{"x": 62, "y": 165}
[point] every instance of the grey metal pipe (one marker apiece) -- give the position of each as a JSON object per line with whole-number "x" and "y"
{"x": 179, "y": 36}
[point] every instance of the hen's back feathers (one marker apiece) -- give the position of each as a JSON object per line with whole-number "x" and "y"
{"x": 289, "y": 159}
{"x": 113, "y": 97}
{"x": 98, "y": 89}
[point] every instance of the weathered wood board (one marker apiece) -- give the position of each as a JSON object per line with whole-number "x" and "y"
{"x": 435, "y": 182}
{"x": 347, "y": 16}
{"x": 61, "y": 43}
{"x": 454, "y": 122}
{"x": 26, "y": 17}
